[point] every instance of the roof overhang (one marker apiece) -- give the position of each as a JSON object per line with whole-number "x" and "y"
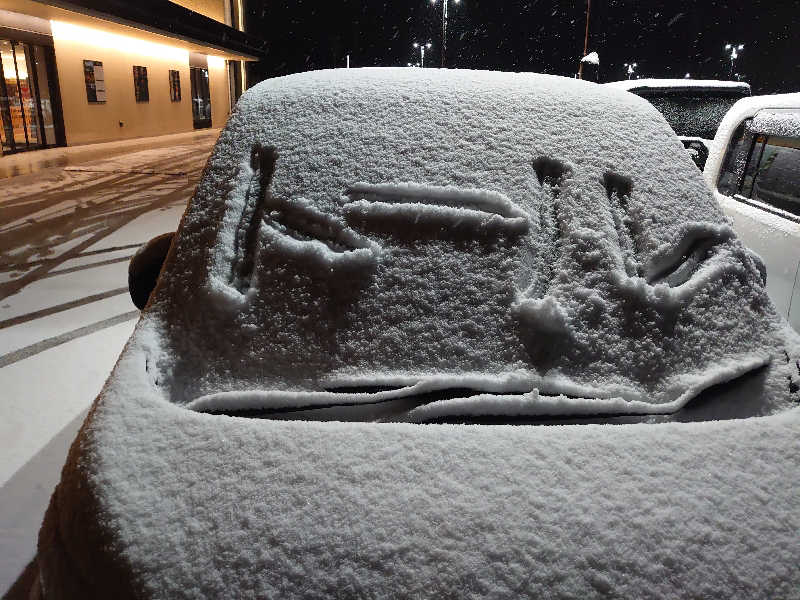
{"x": 155, "y": 20}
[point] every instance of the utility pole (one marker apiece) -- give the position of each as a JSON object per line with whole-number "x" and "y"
{"x": 444, "y": 26}
{"x": 585, "y": 38}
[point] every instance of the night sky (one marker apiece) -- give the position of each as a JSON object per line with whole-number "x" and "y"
{"x": 667, "y": 38}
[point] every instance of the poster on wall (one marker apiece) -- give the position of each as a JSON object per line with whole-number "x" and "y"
{"x": 95, "y": 79}
{"x": 140, "y": 88}
{"x": 174, "y": 85}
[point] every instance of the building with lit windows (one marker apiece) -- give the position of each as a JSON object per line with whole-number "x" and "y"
{"x": 86, "y": 71}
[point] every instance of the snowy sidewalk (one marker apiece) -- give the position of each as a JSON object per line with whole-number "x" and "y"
{"x": 24, "y": 163}
{"x": 66, "y": 236}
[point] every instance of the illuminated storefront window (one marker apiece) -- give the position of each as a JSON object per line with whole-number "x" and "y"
{"x": 26, "y": 108}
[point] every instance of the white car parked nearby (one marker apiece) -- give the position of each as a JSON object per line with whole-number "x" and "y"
{"x": 754, "y": 170}
{"x": 694, "y": 108}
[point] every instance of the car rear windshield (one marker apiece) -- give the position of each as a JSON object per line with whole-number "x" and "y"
{"x": 693, "y": 114}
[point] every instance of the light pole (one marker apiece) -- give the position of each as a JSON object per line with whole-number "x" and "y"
{"x": 422, "y": 48}
{"x": 734, "y": 49}
{"x": 630, "y": 68}
{"x": 444, "y": 25}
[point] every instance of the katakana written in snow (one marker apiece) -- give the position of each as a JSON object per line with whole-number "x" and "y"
{"x": 523, "y": 238}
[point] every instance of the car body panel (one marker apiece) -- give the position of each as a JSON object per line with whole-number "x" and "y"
{"x": 450, "y": 169}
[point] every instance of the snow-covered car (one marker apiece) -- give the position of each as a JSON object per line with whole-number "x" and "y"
{"x": 376, "y": 266}
{"x": 694, "y": 108}
{"x": 754, "y": 171}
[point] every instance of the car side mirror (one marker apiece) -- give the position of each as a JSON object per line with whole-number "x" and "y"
{"x": 145, "y": 266}
{"x": 698, "y": 151}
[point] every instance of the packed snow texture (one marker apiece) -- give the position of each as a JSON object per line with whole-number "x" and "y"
{"x": 199, "y": 505}
{"x": 592, "y": 58}
{"x": 784, "y": 123}
{"x": 624, "y": 292}
{"x": 471, "y": 212}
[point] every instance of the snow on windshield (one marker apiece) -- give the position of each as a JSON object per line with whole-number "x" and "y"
{"x": 692, "y": 107}
{"x": 374, "y": 234}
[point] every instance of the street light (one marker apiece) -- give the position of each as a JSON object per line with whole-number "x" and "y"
{"x": 630, "y": 68}
{"x": 444, "y": 25}
{"x": 734, "y": 49}
{"x": 422, "y": 48}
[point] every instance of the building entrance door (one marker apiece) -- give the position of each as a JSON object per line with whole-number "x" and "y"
{"x": 201, "y": 97}
{"x": 26, "y": 97}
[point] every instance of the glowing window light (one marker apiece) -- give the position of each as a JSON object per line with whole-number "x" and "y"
{"x": 8, "y": 66}
{"x": 216, "y": 62}
{"x": 95, "y": 37}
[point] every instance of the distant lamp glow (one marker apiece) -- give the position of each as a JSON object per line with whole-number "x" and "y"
{"x": 687, "y": 76}
{"x": 630, "y": 68}
{"x": 734, "y": 50}
{"x": 422, "y": 48}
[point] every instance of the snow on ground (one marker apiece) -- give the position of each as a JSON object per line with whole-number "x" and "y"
{"x": 65, "y": 313}
{"x": 47, "y": 390}
{"x": 41, "y": 162}
{"x": 61, "y": 323}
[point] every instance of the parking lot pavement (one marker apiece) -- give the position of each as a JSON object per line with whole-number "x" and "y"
{"x": 66, "y": 236}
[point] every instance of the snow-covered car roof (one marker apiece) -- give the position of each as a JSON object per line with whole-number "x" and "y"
{"x": 502, "y": 244}
{"x": 739, "y": 112}
{"x": 638, "y": 85}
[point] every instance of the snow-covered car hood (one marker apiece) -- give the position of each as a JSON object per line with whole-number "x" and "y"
{"x": 545, "y": 240}
{"x": 401, "y": 231}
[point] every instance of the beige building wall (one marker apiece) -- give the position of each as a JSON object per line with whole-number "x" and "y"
{"x": 213, "y": 9}
{"x": 120, "y": 116}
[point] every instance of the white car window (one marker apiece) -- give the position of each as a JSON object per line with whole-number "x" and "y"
{"x": 729, "y": 175}
{"x": 776, "y": 176}
{"x": 768, "y": 171}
